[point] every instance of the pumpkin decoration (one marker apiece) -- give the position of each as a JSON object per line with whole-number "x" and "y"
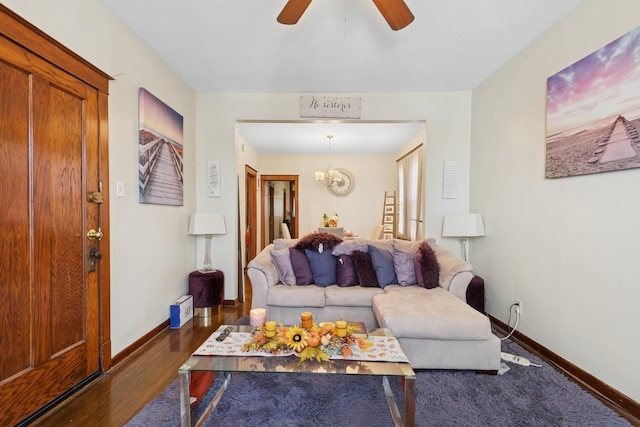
{"x": 313, "y": 339}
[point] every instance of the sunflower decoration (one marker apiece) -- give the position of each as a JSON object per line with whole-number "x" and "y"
{"x": 296, "y": 338}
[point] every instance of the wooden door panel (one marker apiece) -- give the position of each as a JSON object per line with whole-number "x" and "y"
{"x": 15, "y": 265}
{"x": 52, "y": 322}
{"x": 58, "y": 171}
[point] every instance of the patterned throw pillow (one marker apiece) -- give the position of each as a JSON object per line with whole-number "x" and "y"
{"x": 364, "y": 269}
{"x": 404, "y": 266}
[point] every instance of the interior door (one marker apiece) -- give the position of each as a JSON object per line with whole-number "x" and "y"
{"x": 49, "y": 163}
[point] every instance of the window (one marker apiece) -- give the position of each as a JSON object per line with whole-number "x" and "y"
{"x": 410, "y": 178}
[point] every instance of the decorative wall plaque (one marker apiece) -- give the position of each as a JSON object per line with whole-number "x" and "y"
{"x": 330, "y": 107}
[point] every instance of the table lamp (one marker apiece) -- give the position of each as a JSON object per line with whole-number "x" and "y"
{"x": 207, "y": 224}
{"x": 463, "y": 226}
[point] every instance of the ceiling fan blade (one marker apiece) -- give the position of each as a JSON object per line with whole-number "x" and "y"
{"x": 395, "y": 12}
{"x": 292, "y": 11}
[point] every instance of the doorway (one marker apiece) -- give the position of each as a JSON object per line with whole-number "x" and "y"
{"x": 279, "y": 204}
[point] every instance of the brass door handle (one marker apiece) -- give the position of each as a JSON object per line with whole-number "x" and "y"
{"x": 93, "y": 234}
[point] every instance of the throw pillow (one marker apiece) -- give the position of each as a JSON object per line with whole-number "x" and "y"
{"x": 426, "y": 265}
{"x": 382, "y": 261}
{"x": 411, "y": 245}
{"x": 348, "y": 246}
{"x": 323, "y": 267}
{"x": 364, "y": 269}
{"x": 301, "y": 267}
{"x": 405, "y": 268}
{"x": 282, "y": 263}
{"x": 312, "y": 241}
{"x": 346, "y": 271}
{"x": 284, "y": 243}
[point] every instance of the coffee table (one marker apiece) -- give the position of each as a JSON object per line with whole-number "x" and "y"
{"x": 291, "y": 364}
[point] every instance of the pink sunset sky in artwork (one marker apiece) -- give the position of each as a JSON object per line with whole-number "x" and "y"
{"x": 600, "y": 85}
{"x": 157, "y": 116}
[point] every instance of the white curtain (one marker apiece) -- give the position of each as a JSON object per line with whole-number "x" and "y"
{"x": 410, "y": 188}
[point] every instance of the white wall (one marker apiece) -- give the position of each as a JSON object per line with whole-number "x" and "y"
{"x": 448, "y": 131}
{"x": 151, "y": 252}
{"x": 568, "y": 247}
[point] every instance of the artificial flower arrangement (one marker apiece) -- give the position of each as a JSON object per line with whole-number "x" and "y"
{"x": 319, "y": 342}
{"x": 330, "y": 221}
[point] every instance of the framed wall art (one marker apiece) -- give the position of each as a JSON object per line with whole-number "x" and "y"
{"x": 593, "y": 112}
{"x": 213, "y": 178}
{"x": 160, "y": 152}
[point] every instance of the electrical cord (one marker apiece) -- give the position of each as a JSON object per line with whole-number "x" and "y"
{"x": 509, "y": 321}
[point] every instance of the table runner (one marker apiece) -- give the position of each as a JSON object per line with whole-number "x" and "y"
{"x": 384, "y": 349}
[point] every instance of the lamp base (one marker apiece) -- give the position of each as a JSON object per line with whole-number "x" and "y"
{"x": 207, "y": 271}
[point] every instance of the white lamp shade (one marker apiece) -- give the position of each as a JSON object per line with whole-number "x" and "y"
{"x": 465, "y": 225}
{"x": 205, "y": 223}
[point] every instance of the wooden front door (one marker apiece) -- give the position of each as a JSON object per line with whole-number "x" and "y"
{"x": 49, "y": 164}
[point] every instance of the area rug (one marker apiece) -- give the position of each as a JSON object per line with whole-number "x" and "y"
{"x": 522, "y": 396}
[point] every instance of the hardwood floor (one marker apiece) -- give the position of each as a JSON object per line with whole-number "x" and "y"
{"x": 118, "y": 395}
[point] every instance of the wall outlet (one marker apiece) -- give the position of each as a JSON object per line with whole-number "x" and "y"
{"x": 518, "y": 307}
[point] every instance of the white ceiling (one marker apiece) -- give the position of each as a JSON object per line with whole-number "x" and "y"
{"x": 338, "y": 46}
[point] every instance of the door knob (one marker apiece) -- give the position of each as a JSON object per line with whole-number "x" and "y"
{"x": 93, "y": 234}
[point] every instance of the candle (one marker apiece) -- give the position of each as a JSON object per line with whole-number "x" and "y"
{"x": 307, "y": 319}
{"x": 257, "y": 316}
{"x": 270, "y": 325}
{"x": 270, "y": 334}
{"x": 341, "y": 328}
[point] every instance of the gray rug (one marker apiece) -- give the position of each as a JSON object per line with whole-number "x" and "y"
{"x": 523, "y": 396}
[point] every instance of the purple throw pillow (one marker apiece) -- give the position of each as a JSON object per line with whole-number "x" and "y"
{"x": 364, "y": 269}
{"x": 382, "y": 261}
{"x": 346, "y": 271}
{"x": 405, "y": 268}
{"x": 282, "y": 262}
{"x": 427, "y": 268}
{"x": 301, "y": 267}
{"x": 323, "y": 267}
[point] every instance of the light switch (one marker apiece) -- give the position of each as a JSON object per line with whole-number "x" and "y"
{"x": 119, "y": 188}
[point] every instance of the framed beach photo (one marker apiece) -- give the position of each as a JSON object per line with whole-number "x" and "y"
{"x": 388, "y": 218}
{"x": 388, "y": 228}
{"x": 389, "y": 209}
{"x": 593, "y": 112}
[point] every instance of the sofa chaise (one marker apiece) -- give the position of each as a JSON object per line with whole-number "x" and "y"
{"x": 440, "y": 324}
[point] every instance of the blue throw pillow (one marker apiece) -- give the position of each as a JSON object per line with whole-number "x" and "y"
{"x": 323, "y": 267}
{"x": 382, "y": 261}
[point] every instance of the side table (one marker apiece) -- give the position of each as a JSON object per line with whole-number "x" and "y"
{"x": 207, "y": 289}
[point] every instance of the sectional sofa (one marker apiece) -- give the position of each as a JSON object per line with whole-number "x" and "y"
{"x": 429, "y": 298}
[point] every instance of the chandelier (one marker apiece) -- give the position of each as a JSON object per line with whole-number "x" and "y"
{"x": 331, "y": 175}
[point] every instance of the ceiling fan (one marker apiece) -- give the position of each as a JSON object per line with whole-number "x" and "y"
{"x": 395, "y": 12}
